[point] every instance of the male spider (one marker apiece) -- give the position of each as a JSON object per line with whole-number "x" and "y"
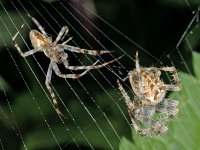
{"x": 149, "y": 109}
{"x": 41, "y": 42}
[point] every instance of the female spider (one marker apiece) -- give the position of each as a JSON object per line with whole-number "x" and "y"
{"x": 149, "y": 99}
{"x": 41, "y": 42}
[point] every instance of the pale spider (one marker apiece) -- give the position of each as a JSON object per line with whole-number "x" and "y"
{"x": 41, "y": 42}
{"x": 149, "y": 110}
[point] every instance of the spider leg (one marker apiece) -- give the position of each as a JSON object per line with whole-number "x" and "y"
{"x": 138, "y": 76}
{"x": 84, "y": 51}
{"x": 135, "y": 126}
{"x": 63, "y": 32}
{"x": 155, "y": 70}
{"x": 38, "y": 25}
{"x": 23, "y": 54}
{"x": 128, "y": 101}
{"x": 177, "y": 85}
{"x": 72, "y": 76}
{"x": 169, "y": 108}
{"x": 155, "y": 127}
{"x": 137, "y": 65}
{"x": 28, "y": 53}
{"x": 88, "y": 67}
{"x": 130, "y": 106}
{"x": 49, "y": 87}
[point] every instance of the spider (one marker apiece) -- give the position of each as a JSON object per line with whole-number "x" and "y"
{"x": 41, "y": 42}
{"x": 149, "y": 110}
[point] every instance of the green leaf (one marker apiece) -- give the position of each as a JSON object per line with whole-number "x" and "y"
{"x": 196, "y": 64}
{"x": 125, "y": 144}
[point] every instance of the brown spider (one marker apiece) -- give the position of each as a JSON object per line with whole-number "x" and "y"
{"x": 150, "y": 99}
{"x": 41, "y": 42}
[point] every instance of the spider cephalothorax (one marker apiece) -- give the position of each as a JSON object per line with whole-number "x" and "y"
{"x": 149, "y": 99}
{"x": 41, "y": 42}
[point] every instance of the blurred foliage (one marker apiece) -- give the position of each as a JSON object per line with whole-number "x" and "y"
{"x": 156, "y": 26}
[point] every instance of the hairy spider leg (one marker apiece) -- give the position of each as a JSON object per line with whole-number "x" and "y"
{"x": 177, "y": 85}
{"x": 72, "y": 76}
{"x": 49, "y": 87}
{"x": 38, "y": 25}
{"x": 156, "y": 71}
{"x": 169, "y": 107}
{"x": 138, "y": 70}
{"x": 23, "y": 54}
{"x": 53, "y": 66}
{"x": 137, "y": 65}
{"x": 63, "y": 32}
{"x": 131, "y": 107}
{"x": 84, "y": 51}
{"x": 65, "y": 42}
{"x": 129, "y": 104}
{"x": 88, "y": 67}
{"x": 157, "y": 128}
{"x": 125, "y": 95}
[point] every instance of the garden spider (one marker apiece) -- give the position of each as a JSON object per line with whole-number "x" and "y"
{"x": 41, "y": 42}
{"x": 149, "y": 109}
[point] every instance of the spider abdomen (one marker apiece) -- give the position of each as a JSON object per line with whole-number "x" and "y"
{"x": 38, "y": 40}
{"x": 148, "y": 86}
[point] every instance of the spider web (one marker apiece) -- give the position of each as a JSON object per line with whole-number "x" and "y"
{"x": 97, "y": 115}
